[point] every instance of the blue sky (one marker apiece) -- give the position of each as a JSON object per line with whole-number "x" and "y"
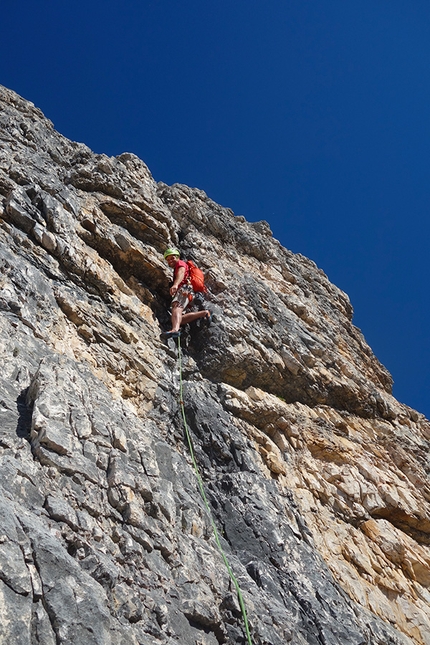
{"x": 311, "y": 114}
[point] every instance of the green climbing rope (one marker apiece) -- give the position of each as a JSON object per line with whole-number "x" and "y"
{"x": 203, "y": 494}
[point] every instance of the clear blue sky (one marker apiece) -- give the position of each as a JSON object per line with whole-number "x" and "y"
{"x": 311, "y": 114}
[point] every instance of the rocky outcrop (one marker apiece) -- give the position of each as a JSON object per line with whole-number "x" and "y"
{"x": 316, "y": 476}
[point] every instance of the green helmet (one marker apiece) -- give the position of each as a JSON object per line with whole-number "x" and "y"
{"x": 171, "y": 251}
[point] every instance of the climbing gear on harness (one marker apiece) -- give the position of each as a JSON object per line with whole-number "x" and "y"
{"x": 205, "y": 500}
{"x": 196, "y": 277}
{"x": 184, "y": 296}
{"x": 171, "y": 251}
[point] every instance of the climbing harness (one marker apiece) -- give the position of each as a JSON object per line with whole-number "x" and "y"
{"x": 206, "y": 503}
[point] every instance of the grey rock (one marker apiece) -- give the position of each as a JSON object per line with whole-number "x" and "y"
{"x": 315, "y": 477}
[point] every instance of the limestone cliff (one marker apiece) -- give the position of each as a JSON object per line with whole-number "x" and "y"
{"x": 317, "y": 477}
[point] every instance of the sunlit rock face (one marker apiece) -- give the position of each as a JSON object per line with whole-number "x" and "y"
{"x": 317, "y": 477}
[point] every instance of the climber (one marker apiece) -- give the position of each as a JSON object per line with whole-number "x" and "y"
{"x": 183, "y": 294}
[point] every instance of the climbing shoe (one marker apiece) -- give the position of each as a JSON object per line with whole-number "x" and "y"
{"x": 172, "y": 334}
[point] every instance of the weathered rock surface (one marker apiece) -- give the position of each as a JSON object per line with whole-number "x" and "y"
{"x": 317, "y": 477}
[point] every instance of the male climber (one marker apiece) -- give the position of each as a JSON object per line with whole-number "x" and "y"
{"x": 182, "y": 293}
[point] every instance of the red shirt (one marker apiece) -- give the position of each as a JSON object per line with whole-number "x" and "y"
{"x": 178, "y": 265}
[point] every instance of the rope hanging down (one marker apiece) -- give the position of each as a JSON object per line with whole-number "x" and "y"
{"x": 203, "y": 494}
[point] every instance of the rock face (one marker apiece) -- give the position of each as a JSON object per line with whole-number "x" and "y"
{"x": 316, "y": 476}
